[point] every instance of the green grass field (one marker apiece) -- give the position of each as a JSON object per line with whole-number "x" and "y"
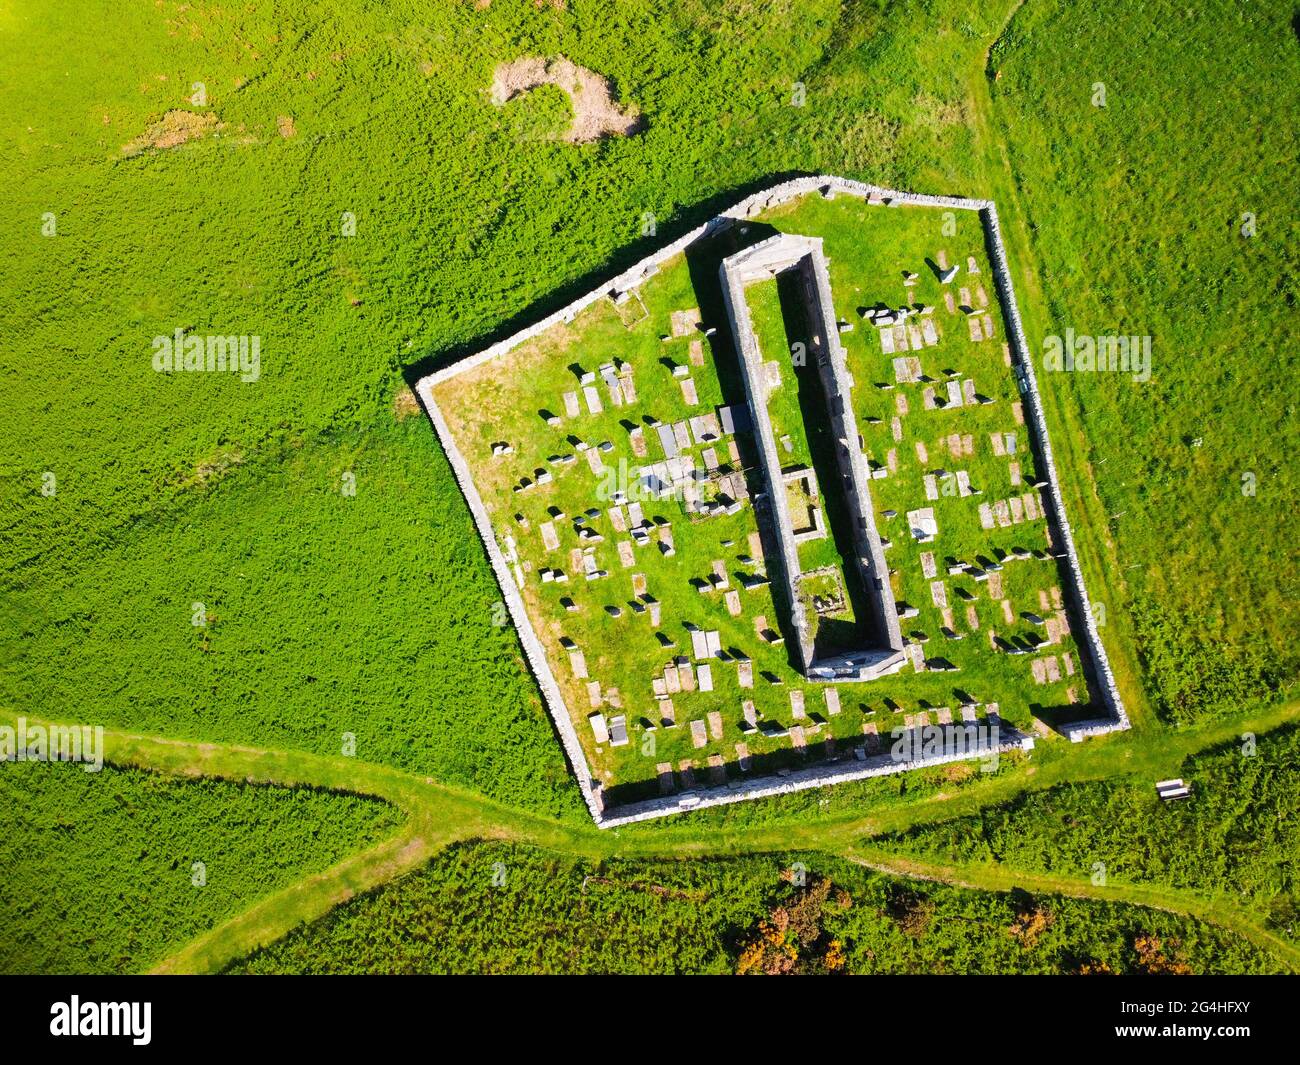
{"x": 494, "y": 908}
{"x": 1138, "y": 230}
{"x": 108, "y": 872}
{"x": 230, "y": 494}
{"x": 352, "y": 197}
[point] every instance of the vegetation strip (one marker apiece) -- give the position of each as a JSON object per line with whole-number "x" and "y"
{"x": 1000, "y": 878}
{"x": 439, "y": 815}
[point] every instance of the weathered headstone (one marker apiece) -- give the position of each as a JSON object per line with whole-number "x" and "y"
{"x": 705, "y": 675}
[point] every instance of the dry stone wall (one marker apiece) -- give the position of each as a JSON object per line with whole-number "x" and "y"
{"x": 1116, "y": 718}
{"x": 817, "y": 776}
{"x": 533, "y": 649}
{"x": 804, "y": 255}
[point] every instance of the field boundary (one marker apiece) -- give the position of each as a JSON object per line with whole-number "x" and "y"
{"x": 1028, "y": 382}
{"x": 1099, "y": 547}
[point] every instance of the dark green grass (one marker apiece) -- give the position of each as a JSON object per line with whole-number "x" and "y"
{"x": 1236, "y": 835}
{"x": 465, "y": 220}
{"x": 500, "y": 909}
{"x": 326, "y": 614}
{"x": 99, "y": 867}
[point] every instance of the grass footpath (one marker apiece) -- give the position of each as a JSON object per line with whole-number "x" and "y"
{"x": 439, "y": 815}
{"x": 112, "y": 871}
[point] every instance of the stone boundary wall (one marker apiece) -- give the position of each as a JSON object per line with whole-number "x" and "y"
{"x": 750, "y": 206}
{"x": 533, "y": 649}
{"x": 819, "y": 776}
{"x": 813, "y": 777}
{"x": 1028, "y": 381}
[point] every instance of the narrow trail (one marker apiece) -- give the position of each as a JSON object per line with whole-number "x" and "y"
{"x": 1223, "y": 912}
{"x": 439, "y": 815}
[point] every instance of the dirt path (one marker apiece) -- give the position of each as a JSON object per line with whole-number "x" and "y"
{"x": 171, "y": 131}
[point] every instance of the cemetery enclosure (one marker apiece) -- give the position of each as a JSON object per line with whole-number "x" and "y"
{"x": 609, "y": 461}
{"x": 377, "y": 614}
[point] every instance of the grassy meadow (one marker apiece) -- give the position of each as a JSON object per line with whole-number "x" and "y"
{"x": 1237, "y": 836}
{"x": 286, "y": 562}
{"x": 1169, "y": 213}
{"x": 100, "y": 871}
{"x": 330, "y": 613}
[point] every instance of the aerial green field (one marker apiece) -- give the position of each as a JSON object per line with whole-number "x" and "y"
{"x": 1141, "y": 228}
{"x": 315, "y": 629}
{"x": 281, "y": 571}
{"x": 494, "y": 908}
{"x": 108, "y": 872}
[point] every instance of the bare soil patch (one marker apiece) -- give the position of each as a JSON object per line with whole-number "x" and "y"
{"x": 171, "y": 131}
{"x": 405, "y": 404}
{"x": 596, "y": 114}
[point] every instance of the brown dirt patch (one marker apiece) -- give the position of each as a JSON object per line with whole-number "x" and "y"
{"x": 286, "y": 127}
{"x": 171, "y": 131}
{"x": 596, "y": 114}
{"x": 405, "y": 405}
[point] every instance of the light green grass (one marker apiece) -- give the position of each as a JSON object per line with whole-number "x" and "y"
{"x": 1137, "y": 229}
{"x": 370, "y": 614}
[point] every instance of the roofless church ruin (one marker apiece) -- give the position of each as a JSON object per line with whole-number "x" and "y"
{"x": 881, "y": 651}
